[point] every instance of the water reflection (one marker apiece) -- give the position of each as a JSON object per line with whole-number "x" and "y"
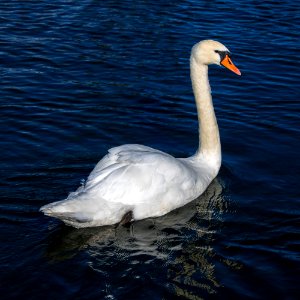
{"x": 193, "y": 268}
{"x": 65, "y": 242}
{"x": 181, "y": 241}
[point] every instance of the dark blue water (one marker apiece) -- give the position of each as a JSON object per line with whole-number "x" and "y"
{"x": 79, "y": 77}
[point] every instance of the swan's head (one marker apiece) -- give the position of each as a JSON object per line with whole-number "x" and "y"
{"x": 209, "y": 52}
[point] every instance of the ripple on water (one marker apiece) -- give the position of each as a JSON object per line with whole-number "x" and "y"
{"x": 80, "y": 78}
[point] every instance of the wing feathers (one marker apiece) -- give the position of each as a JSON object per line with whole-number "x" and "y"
{"x": 131, "y": 177}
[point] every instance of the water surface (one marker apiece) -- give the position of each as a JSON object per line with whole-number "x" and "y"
{"x": 78, "y": 78}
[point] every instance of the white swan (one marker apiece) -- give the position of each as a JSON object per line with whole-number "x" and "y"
{"x": 134, "y": 182}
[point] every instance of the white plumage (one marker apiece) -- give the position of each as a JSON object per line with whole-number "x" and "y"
{"x": 145, "y": 181}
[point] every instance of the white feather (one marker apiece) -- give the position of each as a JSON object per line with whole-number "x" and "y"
{"x": 133, "y": 178}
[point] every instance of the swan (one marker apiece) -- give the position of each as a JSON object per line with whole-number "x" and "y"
{"x": 134, "y": 182}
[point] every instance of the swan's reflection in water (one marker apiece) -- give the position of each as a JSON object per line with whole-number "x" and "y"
{"x": 178, "y": 246}
{"x": 192, "y": 271}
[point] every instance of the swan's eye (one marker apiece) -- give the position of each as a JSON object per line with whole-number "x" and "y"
{"x": 222, "y": 54}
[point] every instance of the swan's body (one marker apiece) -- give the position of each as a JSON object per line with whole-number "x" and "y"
{"x": 145, "y": 181}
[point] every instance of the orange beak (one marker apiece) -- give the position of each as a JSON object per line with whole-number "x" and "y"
{"x": 227, "y": 63}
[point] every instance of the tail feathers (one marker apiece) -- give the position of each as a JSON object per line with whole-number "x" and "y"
{"x": 86, "y": 212}
{"x": 69, "y": 217}
{"x": 59, "y": 211}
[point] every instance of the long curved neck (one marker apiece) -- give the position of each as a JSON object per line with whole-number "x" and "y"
{"x": 209, "y": 138}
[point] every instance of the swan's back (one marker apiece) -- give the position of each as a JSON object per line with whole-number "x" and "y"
{"x": 134, "y": 178}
